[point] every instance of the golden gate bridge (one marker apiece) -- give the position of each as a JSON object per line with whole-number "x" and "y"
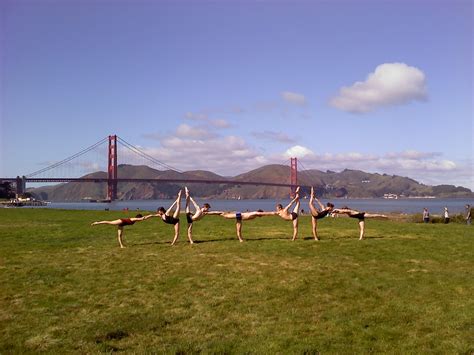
{"x": 112, "y": 179}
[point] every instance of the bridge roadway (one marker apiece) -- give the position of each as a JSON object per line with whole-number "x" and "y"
{"x": 188, "y": 181}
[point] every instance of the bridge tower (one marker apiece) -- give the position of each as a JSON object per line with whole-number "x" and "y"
{"x": 20, "y": 186}
{"x": 112, "y": 169}
{"x": 293, "y": 176}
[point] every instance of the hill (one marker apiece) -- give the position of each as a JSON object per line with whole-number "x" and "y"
{"x": 348, "y": 183}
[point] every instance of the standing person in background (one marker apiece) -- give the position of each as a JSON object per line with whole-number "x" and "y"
{"x": 426, "y": 215}
{"x": 446, "y": 215}
{"x": 468, "y": 215}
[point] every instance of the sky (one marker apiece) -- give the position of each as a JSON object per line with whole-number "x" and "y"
{"x": 382, "y": 86}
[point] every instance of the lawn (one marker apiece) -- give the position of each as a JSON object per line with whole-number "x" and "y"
{"x": 67, "y": 287}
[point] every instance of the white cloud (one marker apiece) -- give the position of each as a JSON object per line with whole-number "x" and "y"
{"x": 274, "y": 136}
{"x": 294, "y": 98}
{"x": 390, "y": 84}
{"x": 298, "y": 151}
{"x": 186, "y": 131}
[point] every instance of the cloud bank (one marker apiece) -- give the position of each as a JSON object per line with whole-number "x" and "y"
{"x": 390, "y": 84}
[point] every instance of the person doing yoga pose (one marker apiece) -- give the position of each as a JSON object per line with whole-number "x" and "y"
{"x": 318, "y": 214}
{"x": 244, "y": 216}
{"x": 199, "y": 213}
{"x": 361, "y": 216}
{"x": 169, "y": 218}
{"x": 120, "y": 223}
{"x": 291, "y": 216}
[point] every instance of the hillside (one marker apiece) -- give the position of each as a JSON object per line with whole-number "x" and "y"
{"x": 348, "y": 183}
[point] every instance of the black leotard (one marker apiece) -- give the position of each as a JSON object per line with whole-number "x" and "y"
{"x": 321, "y": 214}
{"x": 170, "y": 219}
{"x": 294, "y": 216}
{"x": 360, "y": 216}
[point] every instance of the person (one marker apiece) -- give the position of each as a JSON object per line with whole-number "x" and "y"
{"x": 120, "y": 223}
{"x": 244, "y": 216}
{"x": 426, "y": 215}
{"x": 446, "y": 215}
{"x": 361, "y": 216}
{"x": 169, "y": 218}
{"x": 468, "y": 215}
{"x": 316, "y": 213}
{"x": 291, "y": 216}
{"x": 199, "y": 213}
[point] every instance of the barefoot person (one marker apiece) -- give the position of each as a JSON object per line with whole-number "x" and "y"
{"x": 291, "y": 216}
{"x": 199, "y": 213}
{"x": 120, "y": 223}
{"x": 170, "y": 217}
{"x": 244, "y": 216}
{"x": 361, "y": 216}
{"x": 316, "y": 213}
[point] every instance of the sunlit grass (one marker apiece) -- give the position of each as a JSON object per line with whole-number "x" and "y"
{"x": 67, "y": 287}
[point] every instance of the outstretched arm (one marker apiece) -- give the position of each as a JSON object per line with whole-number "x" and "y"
{"x": 210, "y": 213}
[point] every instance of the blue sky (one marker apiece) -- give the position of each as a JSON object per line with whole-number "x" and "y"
{"x": 228, "y": 86}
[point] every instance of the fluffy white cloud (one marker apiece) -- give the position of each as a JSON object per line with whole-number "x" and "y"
{"x": 390, "y": 84}
{"x": 294, "y": 98}
{"x": 298, "y": 151}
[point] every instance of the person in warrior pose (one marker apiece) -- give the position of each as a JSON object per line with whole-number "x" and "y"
{"x": 361, "y": 216}
{"x": 244, "y": 216}
{"x": 291, "y": 216}
{"x": 318, "y": 214}
{"x": 169, "y": 218}
{"x": 120, "y": 223}
{"x": 199, "y": 213}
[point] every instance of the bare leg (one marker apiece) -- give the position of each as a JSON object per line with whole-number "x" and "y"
{"x": 190, "y": 233}
{"x": 176, "y": 233}
{"x": 238, "y": 226}
{"x": 178, "y": 205}
{"x": 295, "y": 228}
{"x": 314, "y": 223}
{"x": 114, "y": 223}
{"x": 297, "y": 207}
{"x": 361, "y": 227}
{"x": 119, "y": 236}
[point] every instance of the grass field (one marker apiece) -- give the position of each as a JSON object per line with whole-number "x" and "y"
{"x": 66, "y": 287}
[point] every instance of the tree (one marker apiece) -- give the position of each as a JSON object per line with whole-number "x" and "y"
{"x": 6, "y": 190}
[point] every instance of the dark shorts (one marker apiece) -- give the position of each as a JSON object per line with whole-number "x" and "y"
{"x": 171, "y": 220}
{"x": 189, "y": 218}
{"x": 294, "y": 216}
{"x": 360, "y": 216}
{"x": 238, "y": 216}
{"x": 321, "y": 214}
{"x": 126, "y": 222}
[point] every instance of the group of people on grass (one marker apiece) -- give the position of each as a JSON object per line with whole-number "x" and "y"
{"x": 171, "y": 216}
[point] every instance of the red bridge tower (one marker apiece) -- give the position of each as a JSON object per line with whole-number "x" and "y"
{"x": 112, "y": 169}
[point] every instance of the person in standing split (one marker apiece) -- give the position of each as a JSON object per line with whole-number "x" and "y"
{"x": 170, "y": 217}
{"x": 316, "y": 213}
{"x": 291, "y": 216}
{"x": 199, "y": 213}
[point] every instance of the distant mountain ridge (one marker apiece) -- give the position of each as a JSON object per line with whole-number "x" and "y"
{"x": 329, "y": 184}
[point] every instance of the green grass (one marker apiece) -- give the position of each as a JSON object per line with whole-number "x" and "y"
{"x": 67, "y": 287}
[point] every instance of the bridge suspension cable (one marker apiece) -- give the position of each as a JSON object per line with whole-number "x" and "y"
{"x": 145, "y": 155}
{"x": 64, "y": 161}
